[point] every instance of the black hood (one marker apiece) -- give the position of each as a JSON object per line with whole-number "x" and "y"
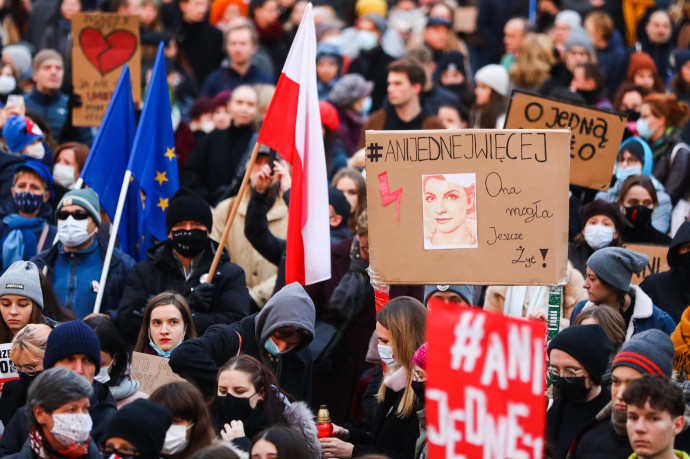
{"x": 681, "y": 237}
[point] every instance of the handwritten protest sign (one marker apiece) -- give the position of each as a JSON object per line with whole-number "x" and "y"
{"x": 103, "y": 44}
{"x": 468, "y": 207}
{"x": 7, "y": 371}
{"x": 152, "y": 372}
{"x": 657, "y": 260}
{"x": 595, "y": 134}
{"x": 485, "y": 384}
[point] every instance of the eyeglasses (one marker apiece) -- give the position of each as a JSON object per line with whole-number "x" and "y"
{"x": 568, "y": 372}
{"x": 29, "y": 370}
{"x": 77, "y": 214}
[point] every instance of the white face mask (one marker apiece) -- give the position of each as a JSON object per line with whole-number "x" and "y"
{"x": 64, "y": 175}
{"x": 367, "y": 39}
{"x": 208, "y": 126}
{"x": 69, "y": 428}
{"x": 103, "y": 375}
{"x": 176, "y": 439}
{"x": 598, "y": 236}
{"x": 7, "y": 84}
{"x": 73, "y": 232}
{"x": 386, "y": 354}
{"x": 35, "y": 150}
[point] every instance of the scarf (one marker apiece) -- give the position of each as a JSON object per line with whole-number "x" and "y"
{"x": 42, "y": 449}
{"x": 633, "y": 11}
{"x": 20, "y": 243}
{"x": 666, "y": 143}
{"x": 681, "y": 341}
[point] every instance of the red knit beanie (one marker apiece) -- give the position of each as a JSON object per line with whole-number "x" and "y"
{"x": 639, "y": 61}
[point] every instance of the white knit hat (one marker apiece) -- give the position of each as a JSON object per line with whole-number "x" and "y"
{"x": 494, "y": 76}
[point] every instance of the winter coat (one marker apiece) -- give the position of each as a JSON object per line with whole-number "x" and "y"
{"x": 214, "y": 161}
{"x": 389, "y": 434}
{"x": 26, "y": 453}
{"x": 120, "y": 266}
{"x": 645, "y": 315}
{"x": 574, "y": 292}
{"x": 560, "y": 77}
{"x": 8, "y": 163}
{"x": 199, "y": 359}
{"x": 373, "y": 66}
{"x": 613, "y": 61}
{"x": 349, "y": 129}
{"x": 55, "y": 111}
{"x": 13, "y": 397}
{"x": 670, "y": 290}
{"x": 160, "y": 271}
{"x": 378, "y": 119}
{"x": 201, "y": 45}
{"x": 226, "y": 79}
{"x": 674, "y": 175}
{"x": 260, "y": 274}
{"x": 102, "y": 408}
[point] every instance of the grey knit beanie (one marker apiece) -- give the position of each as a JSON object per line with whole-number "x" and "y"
{"x": 616, "y": 265}
{"x": 570, "y": 17}
{"x": 579, "y": 37}
{"x": 649, "y": 352}
{"x": 465, "y": 291}
{"x": 349, "y": 89}
{"x": 22, "y": 279}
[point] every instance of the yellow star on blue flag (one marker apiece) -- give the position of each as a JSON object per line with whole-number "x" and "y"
{"x": 152, "y": 161}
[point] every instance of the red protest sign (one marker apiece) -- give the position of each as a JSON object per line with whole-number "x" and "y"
{"x": 485, "y": 384}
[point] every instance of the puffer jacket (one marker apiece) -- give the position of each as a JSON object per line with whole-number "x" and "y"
{"x": 199, "y": 359}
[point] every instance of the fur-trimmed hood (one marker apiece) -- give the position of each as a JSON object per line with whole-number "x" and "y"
{"x": 300, "y": 418}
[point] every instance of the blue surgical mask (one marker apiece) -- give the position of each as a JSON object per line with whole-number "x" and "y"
{"x": 623, "y": 173}
{"x": 272, "y": 348}
{"x": 161, "y": 352}
{"x": 366, "y": 105}
{"x": 367, "y": 40}
{"x": 643, "y": 129}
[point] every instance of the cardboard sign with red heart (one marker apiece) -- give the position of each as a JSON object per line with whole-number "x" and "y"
{"x": 104, "y": 43}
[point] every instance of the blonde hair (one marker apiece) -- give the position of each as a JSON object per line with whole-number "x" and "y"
{"x": 405, "y": 318}
{"x": 31, "y": 341}
{"x": 533, "y": 65}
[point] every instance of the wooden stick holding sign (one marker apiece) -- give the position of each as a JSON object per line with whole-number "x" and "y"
{"x": 233, "y": 212}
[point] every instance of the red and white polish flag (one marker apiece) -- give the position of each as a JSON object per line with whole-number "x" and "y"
{"x": 292, "y": 127}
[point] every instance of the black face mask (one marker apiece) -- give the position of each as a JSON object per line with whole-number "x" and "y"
{"x": 639, "y": 216}
{"x": 632, "y": 114}
{"x": 684, "y": 260}
{"x": 572, "y": 389}
{"x": 26, "y": 379}
{"x": 418, "y": 388}
{"x": 189, "y": 243}
{"x": 230, "y": 408}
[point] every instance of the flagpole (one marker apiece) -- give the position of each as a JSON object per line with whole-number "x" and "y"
{"x": 233, "y": 212}
{"x": 111, "y": 242}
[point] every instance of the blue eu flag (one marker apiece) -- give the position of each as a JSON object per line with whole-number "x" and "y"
{"x": 153, "y": 160}
{"x": 106, "y": 164}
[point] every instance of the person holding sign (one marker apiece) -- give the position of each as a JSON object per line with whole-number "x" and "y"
{"x": 390, "y": 402}
{"x": 449, "y": 208}
{"x": 609, "y": 272}
{"x": 638, "y": 199}
{"x": 578, "y": 357}
{"x": 21, "y": 300}
{"x": 167, "y": 323}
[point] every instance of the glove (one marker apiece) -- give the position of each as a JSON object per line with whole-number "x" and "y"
{"x": 201, "y": 296}
{"x": 74, "y": 101}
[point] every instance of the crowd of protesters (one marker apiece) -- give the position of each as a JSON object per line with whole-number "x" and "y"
{"x": 258, "y": 357}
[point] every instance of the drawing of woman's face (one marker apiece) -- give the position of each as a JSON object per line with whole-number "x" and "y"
{"x": 445, "y": 204}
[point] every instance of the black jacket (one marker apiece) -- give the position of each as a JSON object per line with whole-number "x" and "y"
{"x": 388, "y": 434}
{"x": 13, "y": 397}
{"x": 160, "y": 272}
{"x": 199, "y": 359}
{"x": 373, "y": 66}
{"x": 102, "y": 408}
{"x": 674, "y": 175}
{"x": 670, "y": 290}
{"x": 258, "y": 234}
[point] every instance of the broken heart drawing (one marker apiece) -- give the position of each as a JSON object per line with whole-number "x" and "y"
{"x": 107, "y": 52}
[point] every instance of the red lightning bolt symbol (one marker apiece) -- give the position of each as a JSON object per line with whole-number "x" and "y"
{"x": 386, "y": 196}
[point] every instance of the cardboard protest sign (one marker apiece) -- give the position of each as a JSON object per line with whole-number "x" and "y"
{"x": 468, "y": 207}
{"x": 466, "y": 19}
{"x": 657, "y": 260}
{"x": 103, "y": 44}
{"x": 7, "y": 370}
{"x": 485, "y": 384}
{"x": 595, "y": 135}
{"x": 152, "y": 372}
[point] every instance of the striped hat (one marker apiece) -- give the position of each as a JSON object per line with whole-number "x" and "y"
{"x": 649, "y": 352}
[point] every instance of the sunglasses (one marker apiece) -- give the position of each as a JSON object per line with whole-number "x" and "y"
{"x": 77, "y": 214}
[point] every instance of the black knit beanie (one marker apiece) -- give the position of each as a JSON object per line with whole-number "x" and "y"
{"x": 187, "y": 205}
{"x": 588, "y": 344}
{"x": 341, "y": 206}
{"x": 144, "y": 424}
{"x": 69, "y": 338}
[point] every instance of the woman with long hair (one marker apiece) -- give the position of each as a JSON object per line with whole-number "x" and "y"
{"x": 533, "y": 64}
{"x": 352, "y": 184}
{"x": 392, "y": 413}
{"x": 637, "y": 200}
{"x": 192, "y": 428}
{"x": 491, "y": 97}
{"x": 167, "y": 322}
{"x": 279, "y": 442}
